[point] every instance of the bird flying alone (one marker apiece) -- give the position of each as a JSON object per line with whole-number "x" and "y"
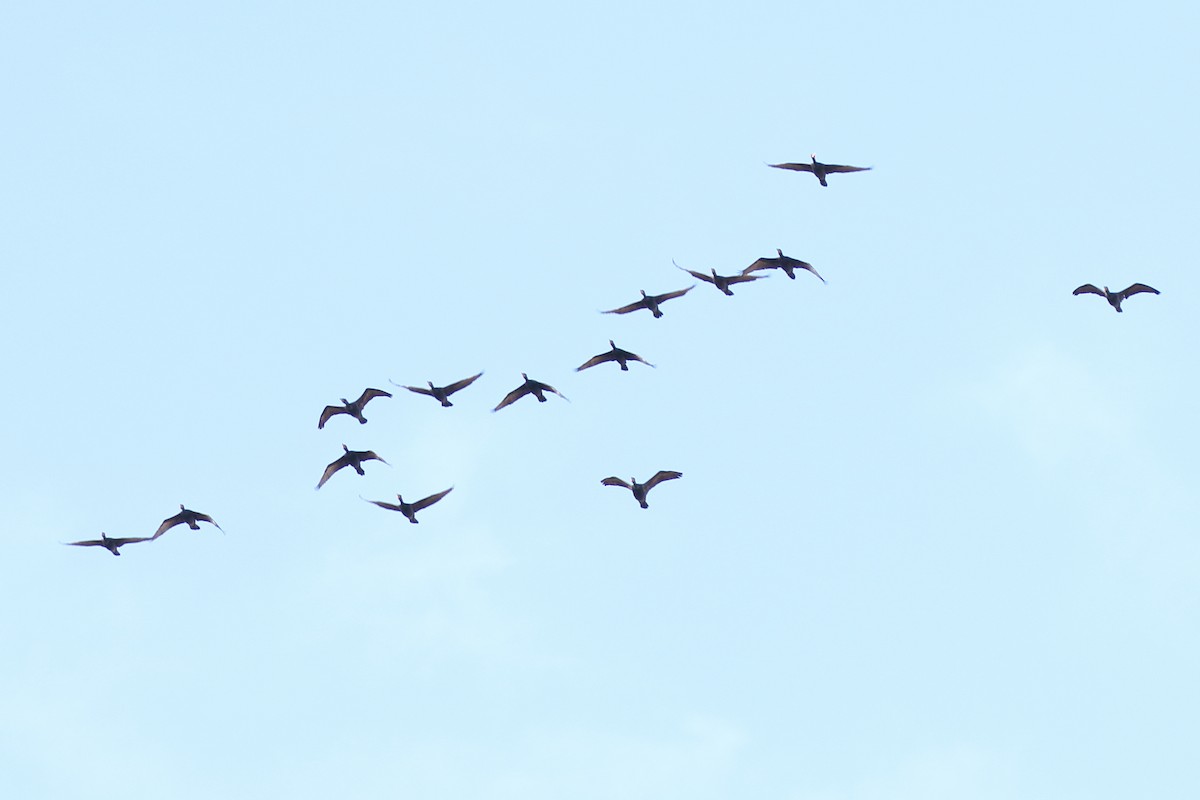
{"x": 650, "y": 302}
{"x": 786, "y": 263}
{"x": 722, "y": 282}
{"x": 819, "y": 169}
{"x": 622, "y": 357}
{"x": 350, "y": 458}
{"x": 440, "y": 393}
{"x": 640, "y": 490}
{"x": 185, "y": 515}
{"x": 1116, "y": 298}
{"x": 530, "y": 386}
{"x": 410, "y": 509}
{"x": 354, "y": 409}
{"x": 111, "y": 545}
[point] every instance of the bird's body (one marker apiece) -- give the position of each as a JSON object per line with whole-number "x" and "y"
{"x": 651, "y": 302}
{"x": 786, "y": 263}
{"x": 410, "y": 510}
{"x": 530, "y": 386}
{"x": 111, "y": 545}
{"x": 819, "y": 169}
{"x": 188, "y": 517}
{"x": 1116, "y": 298}
{"x": 622, "y": 357}
{"x": 354, "y": 409}
{"x": 350, "y": 458}
{"x": 722, "y": 282}
{"x": 640, "y": 490}
{"x": 441, "y": 393}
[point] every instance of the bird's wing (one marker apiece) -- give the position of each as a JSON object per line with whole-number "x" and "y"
{"x": 209, "y": 520}
{"x": 167, "y": 524}
{"x": 87, "y": 543}
{"x": 662, "y": 298}
{"x": 513, "y": 396}
{"x": 614, "y": 481}
{"x": 1139, "y": 288}
{"x": 844, "y": 168}
{"x": 548, "y": 388}
{"x": 744, "y": 277}
{"x": 464, "y": 383}
{"x": 426, "y": 502}
{"x": 329, "y": 412}
{"x": 371, "y": 455}
{"x": 382, "y": 504}
{"x": 762, "y": 263}
{"x": 332, "y": 468}
{"x": 1087, "y": 288}
{"x": 694, "y": 274}
{"x": 805, "y": 265}
{"x": 631, "y": 356}
{"x": 418, "y": 389}
{"x": 660, "y": 476}
{"x": 594, "y": 360}
{"x": 131, "y": 540}
{"x": 626, "y": 309}
{"x": 371, "y": 394}
{"x": 796, "y": 167}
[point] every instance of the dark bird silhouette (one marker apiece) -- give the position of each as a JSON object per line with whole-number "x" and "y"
{"x": 530, "y": 386}
{"x": 410, "y": 509}
{"x": 819, "y": 169}
{"x": 440, "y": 393}
{"x": 722, "y": 282}
{"x": 354, "y": 409}
{"x": 650, "y": 302}
{"x": 618, "y": 355}
{"x": 188, "y": 516}
{"x": 786, "y": 263}
{"x": 111, "y": 545}
{"x": 1115, "y": 298}
{"x": 351, "y": 458}
{"x": 641, "y": 489}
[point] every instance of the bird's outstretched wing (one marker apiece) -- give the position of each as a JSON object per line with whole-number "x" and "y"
{"x": 660, "y": 476}
{"x": 130, "y": 540}
{"x": 464, "y": 383}
{"x": 762, "y": 263}
{"x": 744, "y": 278}
{"x": 426, "y": 502}
{"x": 513, "y": 396}
{"x": 844, "y": 168}
{"x": 545, "y": 387}
{"x": 634, "y": 306}
{"x": 1087, "y": 288}
{"x": 382, "y": 504}
{"x": 329, "y": 412}
{"x": 1139, "y": 288}
{"x": 614, "y": 481}
{"x": 662, "y": 298}
{"x": 632, "y": 356}
{"x": 809, "y": 267}
{"x": 370, "y": 455}
{"x": 417, "y": 389}
{"x": 600, "y": 359}
{"x": 168, "y": 523}
{"x": 209, "y": 520}
{"x": 694, "y": 274}
{"x": 332, "y": 468}
{"x": 370, "y": 394}
{"x": 795, "y": 167}
{"x": 87, "y": 543}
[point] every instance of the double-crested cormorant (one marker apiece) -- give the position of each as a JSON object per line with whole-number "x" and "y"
{"x": 722, "y": 282}
{"x": 641, "y": 489}
{"x": 351, "y": 458}
{"x": 819, "y": 169}
{"x": 650, "y": 302}
{"x": 441, "y": 393}
{"x": 530, "y": 386}
{"x": 1114, "y": 298}
{"x": 786, "y": 263}
{"x": 188, "y": 516}
{"x": 410, "y": 509}
{"x": 354, "y": 409}
{"x": 111, "y": 545}
{"x": 618, "y": 355}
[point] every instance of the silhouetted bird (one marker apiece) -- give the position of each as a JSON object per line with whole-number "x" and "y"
{"x": 354, "y": 409}
{"x": 722, "y": 282}
{"x": 618, "y": 355}
{"x": 1115, "y": 298}
{"x": 650, "y": 302}
{"x": 351, "y": 458}
{"x": 819, "y": 169}
{"x": 111, "y": 545}
{"x": 440, "y": 393}
{"x": 641, "y": 489}
{"x": 786, "y": 263}
{"x": 530, "y": 386}
{"x": 410, "y": 509}
{"x": 188, "y": 516}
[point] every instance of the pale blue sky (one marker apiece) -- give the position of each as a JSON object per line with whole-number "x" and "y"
{"x": 936, "y": 535}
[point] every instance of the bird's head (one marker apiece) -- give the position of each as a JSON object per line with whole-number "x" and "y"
{"x": 813, "y": 156}
{"x": 181, "y": 508}
{"x": 399, "y": 499}
{"x": 430, "y": 384}
{"x": 345, "y": 402}
{"x": 643, "y": 291}
{"x": 347, "y": 449}
{"x": 780, "y": 252}
{"x": 612, "y": 344}
{"x": 524, "y": 376}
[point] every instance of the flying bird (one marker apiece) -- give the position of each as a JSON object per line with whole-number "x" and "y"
{"x": 351, "y": 458}
{"x": 722, "y": 282}
{"x": 641, "y": 489}
{"x": 410, "y": 509}
{"x": 819, "y": 169}
{"x": 618, "y": 355}
{"x": 440, "y": 393}
{"x": 111, "y": 545}
{"x": 188, "y": 516}
{"x": 1115, "y": 298}
{"x": 354, "y": 409}
{"x": 650, "y": 302}
{"x": 530, "y": 386}
{"x": 786, "y": 263}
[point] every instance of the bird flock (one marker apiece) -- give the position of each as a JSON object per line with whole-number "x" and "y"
{"x": 529, "y": 386}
